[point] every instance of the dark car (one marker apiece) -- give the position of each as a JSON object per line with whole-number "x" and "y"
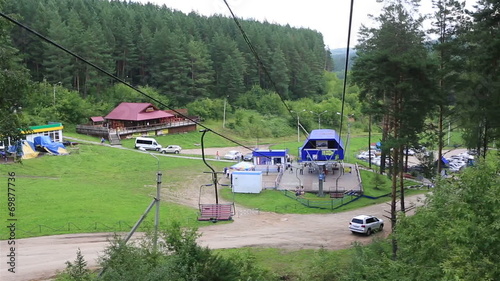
{"x": 248, "y": 157}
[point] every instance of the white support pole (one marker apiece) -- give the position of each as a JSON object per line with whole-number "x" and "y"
{"x": 298, "y": 124}
{"x": 224, "y": 117}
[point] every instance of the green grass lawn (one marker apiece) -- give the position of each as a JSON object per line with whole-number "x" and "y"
{"x": 97, "y": 189}
{"x": 100, "y": 188}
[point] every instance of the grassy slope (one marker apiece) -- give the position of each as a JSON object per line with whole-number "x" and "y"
{"x": 98, "y": 188}
{"x": 98, "y": 185}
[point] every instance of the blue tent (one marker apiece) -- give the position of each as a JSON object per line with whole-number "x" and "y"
{"x": 48, "y": 145}
{"x": 445, "y": 161}
{"x": 24, "y": 149}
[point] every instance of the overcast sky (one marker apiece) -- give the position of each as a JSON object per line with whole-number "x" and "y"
{"x": 329, "y": 17}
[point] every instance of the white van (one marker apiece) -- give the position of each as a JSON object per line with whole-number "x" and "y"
{"x": 147, "y": 143}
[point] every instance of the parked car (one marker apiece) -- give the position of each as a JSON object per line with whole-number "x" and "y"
{"x": 456, "y": 167}
{"x": 248, "y": 157}
{"x": 147, "y": 144}
{"x": 416, "y": 169}
{"x": 171, "y": 149}
{"x": 233, "y": 155}
{"x": 366, "y": 224}
{"x": 409, "y": 152}
{"x": 365, "y": 155}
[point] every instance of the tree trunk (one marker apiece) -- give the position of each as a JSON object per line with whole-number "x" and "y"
{"x": 401, "y": 182}
{"x": 440, "y": 141}
{"x": 394, "y": 202}
{"x": 383, "y": 156}
{"x": 369, "y": 142}
{"x": 485, "y": 139}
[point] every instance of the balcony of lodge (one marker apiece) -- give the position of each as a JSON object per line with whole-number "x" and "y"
{"x": 124, "y": 132}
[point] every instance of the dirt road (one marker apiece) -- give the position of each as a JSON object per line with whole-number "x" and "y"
{"x": 39, "y": 258}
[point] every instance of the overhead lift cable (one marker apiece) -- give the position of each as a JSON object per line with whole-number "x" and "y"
{"x": 345, "y": 69}
{"x": 259, "y": 61}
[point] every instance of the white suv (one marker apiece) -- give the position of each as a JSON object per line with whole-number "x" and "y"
{"x": 366, "y": 224}
{"x": 171, "y": 149}
{"x": 233, "y": 155}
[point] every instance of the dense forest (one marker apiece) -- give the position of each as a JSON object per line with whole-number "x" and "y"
{"x": 185, "y": 57}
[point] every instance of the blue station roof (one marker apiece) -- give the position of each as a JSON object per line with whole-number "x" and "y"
{"x": 324, "y": 134}
{"x": 322, "y": 145}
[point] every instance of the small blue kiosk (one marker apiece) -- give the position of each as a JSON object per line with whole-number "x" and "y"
{"x": 270, "y": 157}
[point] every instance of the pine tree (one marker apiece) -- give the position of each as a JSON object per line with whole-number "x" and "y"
{"x": 479, "y": 101}
{"x": 200, "y": 72}
{"x": 279, "y": 72}
{"x": 14, "y": 86}
{"x": 56, "y": 62}
{"x": 78, "y": 270}
{"x": 393, "y": 68}
{"x": 447, "y": 25}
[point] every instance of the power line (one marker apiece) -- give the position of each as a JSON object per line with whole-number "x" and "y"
{"x": 345, "y": 70}
{"x": 259, "y": 61}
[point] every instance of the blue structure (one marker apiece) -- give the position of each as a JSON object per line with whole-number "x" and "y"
{"x": 270, "y": 157}
{"x": 322, "y": 145}
{"x": 46, "y": 143}
{"x": 445, "y": 161}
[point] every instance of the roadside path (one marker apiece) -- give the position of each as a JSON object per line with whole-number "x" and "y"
{"x": 208, "y": 151}
{"x": 40, "y": 258}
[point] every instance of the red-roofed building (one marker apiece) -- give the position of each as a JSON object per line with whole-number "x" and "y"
{"x": 128, "y": 114}
{"x": 97, "y": 120}
{"x": 138, "y": 119}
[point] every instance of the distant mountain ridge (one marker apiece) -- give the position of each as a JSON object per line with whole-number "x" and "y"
{"x": 338, "y": 56}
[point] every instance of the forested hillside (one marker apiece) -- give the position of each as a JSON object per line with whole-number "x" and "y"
{"x": 185, "y": 57}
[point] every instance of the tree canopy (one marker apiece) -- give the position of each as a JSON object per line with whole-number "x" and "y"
{"x": 185, "y": 57}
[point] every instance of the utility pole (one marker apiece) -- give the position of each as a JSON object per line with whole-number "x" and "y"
{"x": 156, "y": 201}
{"x": 157, "y": 215}
{"x": 224, "y": 117}
{"x": 298, "y": 123}
{"x": 54, "y": 98}
{"x": 319, "y": 117}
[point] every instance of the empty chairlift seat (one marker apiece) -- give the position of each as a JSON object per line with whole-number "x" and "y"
{"x": 216, "y": 212}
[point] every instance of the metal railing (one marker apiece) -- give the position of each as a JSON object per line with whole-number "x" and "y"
{"x": 71, "y": 227}
{"x": 331, "y": 204}
{"x": 104, "y": 131}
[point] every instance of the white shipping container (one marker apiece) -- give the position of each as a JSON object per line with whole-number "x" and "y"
{"x": 247, "y": 181}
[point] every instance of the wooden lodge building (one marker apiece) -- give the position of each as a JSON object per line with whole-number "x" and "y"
{"x": 130, "y": 120}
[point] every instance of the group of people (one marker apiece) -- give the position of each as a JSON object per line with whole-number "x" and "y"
{"x": 299, "y": 191}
